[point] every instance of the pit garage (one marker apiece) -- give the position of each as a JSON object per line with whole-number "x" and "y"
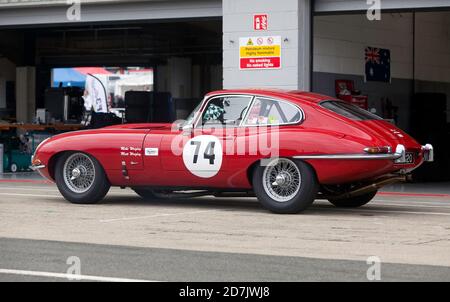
{"x": 397, "y": 67}
{"x": 169, "y": 53}
{"x": 156, "y": 59}
{"x": 152, "y": 67}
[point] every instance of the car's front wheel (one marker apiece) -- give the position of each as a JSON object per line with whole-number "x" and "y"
{"x": 80, "y": 178}
{"x": 353, "y": 202}
{"x": 285, "y": 186}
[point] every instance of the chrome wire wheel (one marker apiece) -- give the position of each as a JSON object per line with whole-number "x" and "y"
{"x": 282, "y": 180}
{"x": 79, "y": 173}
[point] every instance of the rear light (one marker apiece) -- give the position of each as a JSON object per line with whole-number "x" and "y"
{"x": 378, "y": 150}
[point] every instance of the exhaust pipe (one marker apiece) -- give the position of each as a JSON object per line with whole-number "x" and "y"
{"x": 384, "y": 181}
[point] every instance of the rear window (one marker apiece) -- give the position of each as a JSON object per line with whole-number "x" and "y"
{"x": 349, "y": 111}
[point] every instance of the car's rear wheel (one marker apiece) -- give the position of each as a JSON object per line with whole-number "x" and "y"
{"x": 285, "y": 186}
{"x": 80, "y": 178}
{"x": 353, "y": 202}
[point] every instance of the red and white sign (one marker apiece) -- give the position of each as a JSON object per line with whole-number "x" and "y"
{"x": 260, "y": 22}
{"x": 260, "y": 52}
{"x": 260, "y": 63}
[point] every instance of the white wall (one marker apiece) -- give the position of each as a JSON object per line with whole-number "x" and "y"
{"x": 7, "y": 73}
{"x": 361, "y": 5}
{"x": 288, "y": 19}
{"x": 433, "y": 46}
{"x": 340, "y": 41}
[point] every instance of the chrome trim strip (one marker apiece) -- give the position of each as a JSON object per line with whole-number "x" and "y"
{"x": 400, "y": 153}
{"x": 36, "y": 168}
{"x": 300, "y": 110}
{"x": 350, "y": 156}
{"x": 207, "y": 100}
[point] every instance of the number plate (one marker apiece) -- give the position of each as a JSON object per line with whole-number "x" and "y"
{"x": 409, "y": 158}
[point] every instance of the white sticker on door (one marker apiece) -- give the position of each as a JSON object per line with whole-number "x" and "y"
{"x": 202, "y": 156}
{"x": 151, "y": 151}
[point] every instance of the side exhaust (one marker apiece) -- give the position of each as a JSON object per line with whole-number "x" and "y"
{"x": 383, "y": 181}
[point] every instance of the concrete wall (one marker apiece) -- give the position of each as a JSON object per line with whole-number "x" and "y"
{"x": 339, "y": 43}
{"x": 290, "y": 20}
{"x": 25, "y": 94}
{"x": 361, "y": 5}
{"x": 433, "y": 47}
{"x": 7, "y": 73}
{"x": 100, "y": 11}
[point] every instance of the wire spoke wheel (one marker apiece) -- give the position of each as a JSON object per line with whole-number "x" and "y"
{"x": 79, "y": 173}
{"x": 282, "y": 180}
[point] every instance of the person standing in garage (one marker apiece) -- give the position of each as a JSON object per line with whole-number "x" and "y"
{"x": 95, "y": 98}
{"x": 95, "y": 95}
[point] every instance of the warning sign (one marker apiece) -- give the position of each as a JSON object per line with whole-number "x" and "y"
{"x": 260, "y": 52}
{"x": 260, "y": 22}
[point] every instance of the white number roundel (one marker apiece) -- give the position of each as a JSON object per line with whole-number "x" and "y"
{"x": 202, "y": 156}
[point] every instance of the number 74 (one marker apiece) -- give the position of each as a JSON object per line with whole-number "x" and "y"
{"x": 208, "y": 154}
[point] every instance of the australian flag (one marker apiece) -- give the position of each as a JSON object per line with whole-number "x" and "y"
{"x": 378, "y": 64}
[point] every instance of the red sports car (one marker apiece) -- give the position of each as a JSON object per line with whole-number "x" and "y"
{"x": 286, "y": 147}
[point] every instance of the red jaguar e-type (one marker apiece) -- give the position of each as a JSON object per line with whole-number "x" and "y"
{"x": 287, "y": 148}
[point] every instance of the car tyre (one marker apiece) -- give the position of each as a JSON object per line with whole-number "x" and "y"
{"x": 285, "y": 186}
{"x": 353, "y": 202}
{"x": 14, "y": 168}
{"x": 80, "y": 178}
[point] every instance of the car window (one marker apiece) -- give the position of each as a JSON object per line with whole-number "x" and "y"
{"x": 190, "y": 119}
{"x": 225, "y": 111}
{"x": 350, "y": 111}
{"x": 273, "y": 112}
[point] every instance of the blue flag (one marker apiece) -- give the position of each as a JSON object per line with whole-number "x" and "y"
{"x": 378, "y": 64}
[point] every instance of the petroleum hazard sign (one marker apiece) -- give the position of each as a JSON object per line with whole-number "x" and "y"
{"x": 260, "y": 52}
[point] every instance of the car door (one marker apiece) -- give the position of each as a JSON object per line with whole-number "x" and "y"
{"x": 206, "y": 154}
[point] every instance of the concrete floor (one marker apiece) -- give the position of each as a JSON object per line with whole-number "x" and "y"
{"x": 425, "y": 188}
{"x": 223, "y": 239}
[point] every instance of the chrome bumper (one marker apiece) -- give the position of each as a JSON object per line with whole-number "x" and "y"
{"x": 37, "y": 168}
{"x": 428, "y": 153}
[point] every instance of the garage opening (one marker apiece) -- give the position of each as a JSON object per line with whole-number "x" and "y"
{"x": 149, "y": 71}
{"x": 397, "y": 67}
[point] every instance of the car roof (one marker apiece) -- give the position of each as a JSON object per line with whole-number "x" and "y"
{"x": 282, "y": 93}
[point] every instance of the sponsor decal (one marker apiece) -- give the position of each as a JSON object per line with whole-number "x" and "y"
{"x": 151, "y": 151}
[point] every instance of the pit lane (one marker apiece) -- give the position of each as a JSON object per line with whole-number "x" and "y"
{"x": 222, "y": 239}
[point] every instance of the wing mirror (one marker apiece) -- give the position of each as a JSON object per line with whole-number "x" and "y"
{"x": 187, "y": 128}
